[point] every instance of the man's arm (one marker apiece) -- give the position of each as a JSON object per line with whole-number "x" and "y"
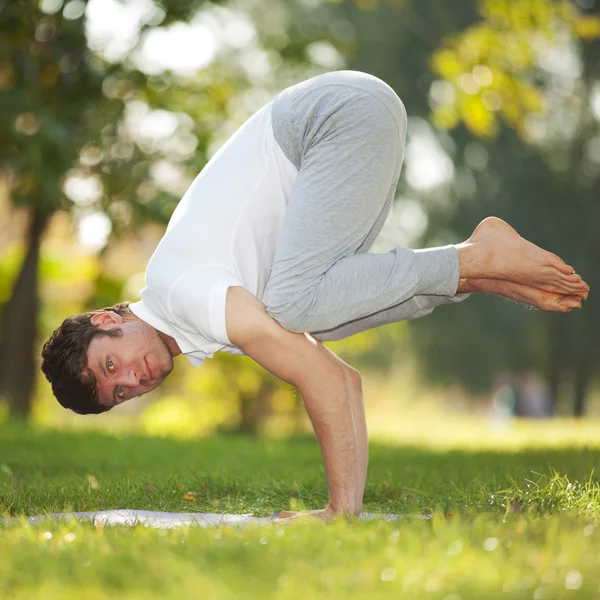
{"x": 324, "y": 383}
{"x": 357, "y": 406}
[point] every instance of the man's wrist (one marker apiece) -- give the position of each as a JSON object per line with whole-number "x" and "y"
{"x": 344, "y": 508}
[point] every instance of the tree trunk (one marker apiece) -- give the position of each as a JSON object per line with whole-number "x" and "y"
{"x": 553, "y": 383}
{"x": 582, "y": 379}
{"x": 555, "y": 365}
{"x": 583, "y": 364}
{"x": 19, "y": 326}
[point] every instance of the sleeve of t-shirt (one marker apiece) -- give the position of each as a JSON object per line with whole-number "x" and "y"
{"x": 197, "y": 299}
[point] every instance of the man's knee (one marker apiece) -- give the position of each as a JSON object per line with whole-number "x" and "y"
{"x": 386, "y": 104}
{"x": 379, "y": 93}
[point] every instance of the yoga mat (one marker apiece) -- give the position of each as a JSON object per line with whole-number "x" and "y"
{"x": 173, "y": 520}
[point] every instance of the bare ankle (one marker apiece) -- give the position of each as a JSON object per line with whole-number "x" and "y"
{"x": 467, "y": 286}
{"x": 464, "y": 286}
{"x": 470, "y": 260}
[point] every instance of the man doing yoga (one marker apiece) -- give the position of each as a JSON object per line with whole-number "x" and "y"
{"x": 267, "y": 256}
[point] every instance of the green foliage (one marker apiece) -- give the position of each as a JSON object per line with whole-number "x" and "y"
{"x": 50, "y": 92}
{"x": 66, "y": 143}
{"x": 64, "y": 112}
{"x": 492, "y": 69}
{"x": 227, "y": 393}
{"x": 10, "y": 261}
{"x": 497, "y": 80}
{"x": 63, "y": 109}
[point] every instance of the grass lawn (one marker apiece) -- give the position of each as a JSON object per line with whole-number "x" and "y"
{"x": 511, "y": 519}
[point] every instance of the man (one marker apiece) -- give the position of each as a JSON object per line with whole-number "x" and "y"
{"x": 266, "y": 255}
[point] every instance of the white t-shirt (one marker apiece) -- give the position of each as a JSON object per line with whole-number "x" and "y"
{"x": 223, "y": 233}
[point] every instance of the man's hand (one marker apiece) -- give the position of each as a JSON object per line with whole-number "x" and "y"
{"x": 328, "y": 387}
{"x": 326, "y": 514}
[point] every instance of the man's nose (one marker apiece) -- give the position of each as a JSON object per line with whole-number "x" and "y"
{"x": 130, "y": 378}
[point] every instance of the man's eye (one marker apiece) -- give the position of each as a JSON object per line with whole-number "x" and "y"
{"x": 110, "y": 364}
{"x": 119, "y": 392}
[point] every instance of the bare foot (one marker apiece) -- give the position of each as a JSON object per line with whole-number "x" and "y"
{"x": 541, "y": 299}
{"x": 496, "y": 251}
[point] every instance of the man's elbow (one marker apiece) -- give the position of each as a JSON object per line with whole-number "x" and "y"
{"x": 289, "y": 318}
{"x": 325, "y": 377}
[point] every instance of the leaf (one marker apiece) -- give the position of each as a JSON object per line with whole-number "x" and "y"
{"x": 190, "y": 496}
{"x": 93, "y": 482}
{"x": 446, "y": 117}
{"x": 530, "y": 96}
{"x": 447, "y": 63}
{"x": 478, "y": 119}
{"x": 150, "y": 487}
{"x": 587, "y": 27}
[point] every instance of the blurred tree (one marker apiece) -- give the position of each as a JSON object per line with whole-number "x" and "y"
{"x": 514, "y": 94}
{"x": 54, "y": 110}
{"x": 71, "y": 140}
{"x": 526, "y": 81}
{"x": 49, "y": 94}
{"x": 65, "y": 146}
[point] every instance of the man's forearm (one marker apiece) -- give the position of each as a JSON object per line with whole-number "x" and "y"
{"x": 321, "y": 379}
{"x": 330, "y": 408}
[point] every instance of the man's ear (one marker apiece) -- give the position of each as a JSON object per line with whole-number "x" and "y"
{"x": 106, "y": 317}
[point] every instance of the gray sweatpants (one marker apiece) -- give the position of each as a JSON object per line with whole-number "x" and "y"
{"x": 345, "y": 133}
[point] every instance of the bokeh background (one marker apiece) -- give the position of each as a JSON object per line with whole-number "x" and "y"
{"x": 109, "y": 108}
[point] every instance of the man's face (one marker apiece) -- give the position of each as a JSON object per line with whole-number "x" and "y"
{"x": 130, "y": 365}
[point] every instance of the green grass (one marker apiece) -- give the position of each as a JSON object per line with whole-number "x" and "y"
{"x": 507, "y": 521}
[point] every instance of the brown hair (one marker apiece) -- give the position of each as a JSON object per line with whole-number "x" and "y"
{"x": 65, "y": 361}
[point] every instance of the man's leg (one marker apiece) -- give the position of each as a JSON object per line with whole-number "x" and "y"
{"x": 351, "y": 147}
{"x": 413, "y": 308}
{"x": 419, "y": 306}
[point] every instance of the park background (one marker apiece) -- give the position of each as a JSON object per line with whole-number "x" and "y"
{"x": 109, "y": 108}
